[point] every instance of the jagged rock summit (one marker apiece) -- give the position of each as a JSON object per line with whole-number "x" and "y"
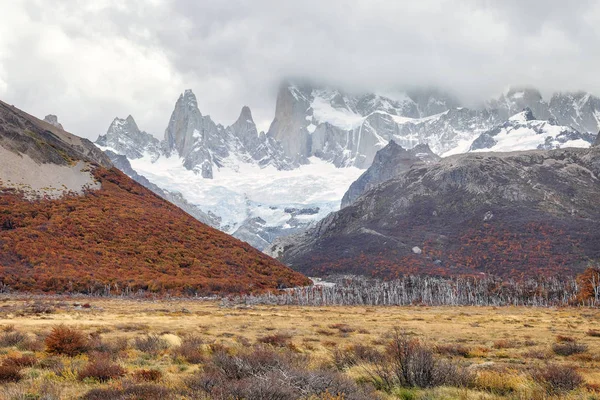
{"x": 389, "y": 162}
{"x": 124, "y": 137}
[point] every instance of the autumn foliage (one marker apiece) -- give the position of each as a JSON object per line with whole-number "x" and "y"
{"x": 124, "y": 238}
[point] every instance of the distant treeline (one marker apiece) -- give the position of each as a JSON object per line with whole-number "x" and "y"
{"x": 583, "y": 290}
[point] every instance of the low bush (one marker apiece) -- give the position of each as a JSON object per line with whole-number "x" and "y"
{"x": 593, "y": 333}
{"x": 22, "y": 361}
{"x": 342, "y": 328}
{"x": 569, "y": 348}
{"x": 191, "y": 350}
{"x": 10, "y": 373}
{"x": 409, "y": 363}
{"x": 151, "y": 344}
{"x": 504, "y": 344}
{"x": 67, "y": 341}
{"x": 12, "y": 338}
{"x": 453, "y": 349}
{"x": 558, "y": 378}
{"x": 354, "y": 354}
{"x": 276, "y": 340}
{"x": 562, "y": 339}
{"x": 102, "y": 369}
{"x": 147, "y": 375}
{"x": 266, "y": 373}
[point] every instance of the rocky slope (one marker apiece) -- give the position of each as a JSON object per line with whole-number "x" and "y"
{"x": 389, "y": 162}
{"x": 509, "y": 214}
{"x": 113, "y": 234}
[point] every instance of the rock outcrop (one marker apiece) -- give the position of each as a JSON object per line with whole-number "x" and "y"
{"x": 53, "y": 120}
{"x": 389, "y": 162}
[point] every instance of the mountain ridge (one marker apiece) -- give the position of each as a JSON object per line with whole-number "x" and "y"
{"x": 507, "y": 214}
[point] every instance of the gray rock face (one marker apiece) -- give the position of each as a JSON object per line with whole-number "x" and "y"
{"x": 579, "y": 110}
{"x": 348, "y": 130}
{"x": 389, "y": 162}
{"x": 597, "y": 142}
{"x": 291, "y": 121}
{"x": 124, "y": 136}
{"x": 53, "y": 120}
{"x": 498, "y": 213}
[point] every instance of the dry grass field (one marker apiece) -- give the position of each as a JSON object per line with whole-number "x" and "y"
{"x": 504, "y": 351}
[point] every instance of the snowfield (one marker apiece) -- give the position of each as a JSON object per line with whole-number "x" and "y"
{"x": 249, "y": 191}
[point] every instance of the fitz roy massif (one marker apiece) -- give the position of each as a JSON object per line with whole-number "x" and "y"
{"x": 260, "y": 186}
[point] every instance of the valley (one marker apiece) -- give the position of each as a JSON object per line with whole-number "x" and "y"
{"x": 503, "y": 349}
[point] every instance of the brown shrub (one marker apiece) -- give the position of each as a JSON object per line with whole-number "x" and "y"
{"x": 563, "y": 339}
{"x": 151, "y": 344}
{"x": 453, "y": 349}
{"x": 191, "y": 350}
{"x": 276, "y": 340}
{"x": 558, "y": 378}
{"x": 537, "y": 353}
{"x": 504, "y": 344}
{"x": 569, "y": 348}
{"x": 10, "y": 373}
{"x": 325, "y": 332}
{"x": 409, "y": 363}
{"x": 342, "y": 328}
{"x": 147, "y": 375}
{"x": 67, "y": 341}
{"x": 352, "y": 355}
{"x": 593, "y": 333}
{"x": 23, "y": 361}
{"x": 102, "y": 369}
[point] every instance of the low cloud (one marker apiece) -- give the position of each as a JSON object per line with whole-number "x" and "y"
{"x": 88, "y": 62}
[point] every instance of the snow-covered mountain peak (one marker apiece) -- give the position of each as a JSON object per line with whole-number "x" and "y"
{"x": 523, "y": 116}
{"x": 523, "y": 132}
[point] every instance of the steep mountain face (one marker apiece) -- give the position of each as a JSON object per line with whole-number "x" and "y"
{"x": 389, "y": 162}
{"x": 597, "y": 143}
{"x": 104, "y": 232}
{"x": 523, "y": 131}
{"x": 348, "y": 130}
{"x": 509, "y": 214}
{"x": 202, "y": 144}
{"x": 125, "y": 137}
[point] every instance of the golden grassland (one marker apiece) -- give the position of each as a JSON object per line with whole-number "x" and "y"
{"x": 500, "y": 345}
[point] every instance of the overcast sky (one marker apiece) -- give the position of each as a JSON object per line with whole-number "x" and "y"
{"x": 89, "y": 61}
